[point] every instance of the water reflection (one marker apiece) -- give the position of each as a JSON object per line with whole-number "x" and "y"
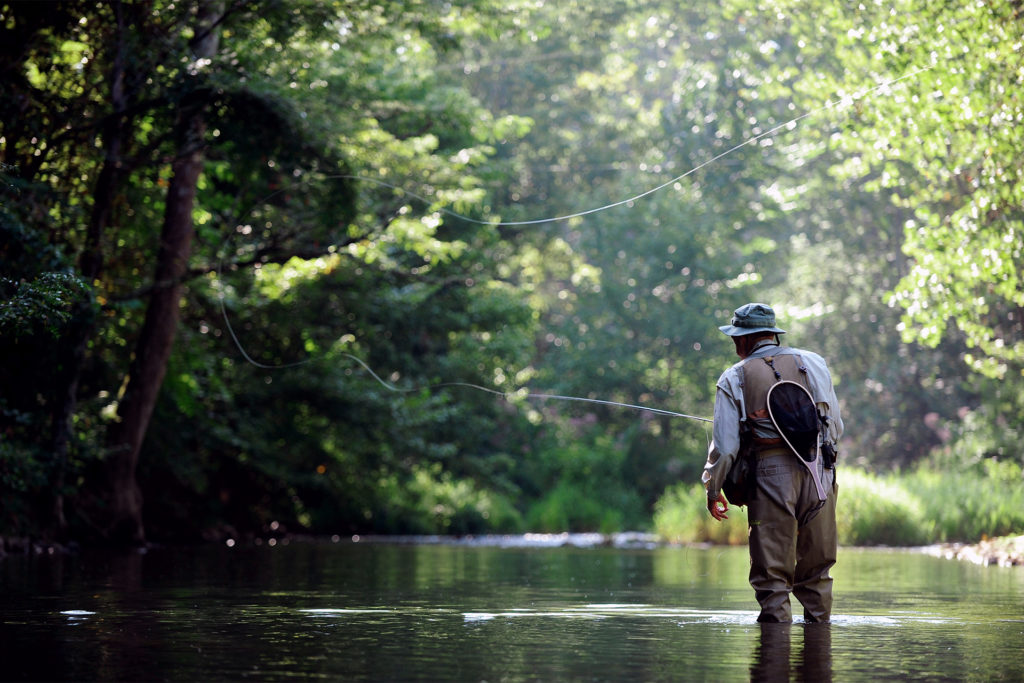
{"x": 681, "y": 615}
{"x": 773, "y": 661}
{"x": 771, "y": 656}
{"x": 815, "y": 662}
{"x": 357, "y": 611}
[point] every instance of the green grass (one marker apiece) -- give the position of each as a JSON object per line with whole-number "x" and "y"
{"x": 572, "y": 508}
{"x": 984, "y": 500}
{"x": 879, "y": 510}
{"x": 923, "y": 506}
{"x": 681, "y": 516}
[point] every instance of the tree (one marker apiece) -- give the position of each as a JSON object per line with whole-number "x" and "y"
{"x": 235, "y": 135}
{"x": 370, "y": 180}
{"x": 952, "y": 152}
{"x": 153, "y": 347}
{"x": 627, "y": 98}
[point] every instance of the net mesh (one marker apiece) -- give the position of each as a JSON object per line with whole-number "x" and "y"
{"x": 795, "y": 416}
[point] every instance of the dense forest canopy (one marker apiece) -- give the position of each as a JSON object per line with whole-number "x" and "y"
{"x": 253, "y": 252}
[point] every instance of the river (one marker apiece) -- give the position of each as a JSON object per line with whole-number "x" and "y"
{"x": 515, "y": 609}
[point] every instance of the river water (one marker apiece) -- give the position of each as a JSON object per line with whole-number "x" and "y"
{"x": 514, "y": 609}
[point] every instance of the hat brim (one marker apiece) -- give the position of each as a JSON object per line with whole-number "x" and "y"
{"x": 734, "y": 331}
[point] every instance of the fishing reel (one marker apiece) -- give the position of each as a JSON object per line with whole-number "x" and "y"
{"x": 829, "y": 454}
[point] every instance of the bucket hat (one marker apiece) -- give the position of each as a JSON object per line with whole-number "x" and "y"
{"x": 751, "y": 319}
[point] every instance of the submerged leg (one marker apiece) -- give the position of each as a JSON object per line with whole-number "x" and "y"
{"x": 771, "y": 567}
{"x": 773, "y": 530}
{"x": 815, "y": 556}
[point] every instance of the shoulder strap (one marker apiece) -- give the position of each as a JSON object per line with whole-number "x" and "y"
{"x": 761, "y": 374}
{"x": 758, "y": 376}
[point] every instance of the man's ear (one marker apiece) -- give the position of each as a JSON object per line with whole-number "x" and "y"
{"x": 738, "y": 343}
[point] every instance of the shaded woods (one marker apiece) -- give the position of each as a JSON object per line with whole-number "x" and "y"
{"x": 209, "y": 208}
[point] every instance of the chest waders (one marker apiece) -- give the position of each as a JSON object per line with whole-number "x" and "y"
{"x": 791, "y": 516}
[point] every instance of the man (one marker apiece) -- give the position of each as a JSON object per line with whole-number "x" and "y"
{"x": 792, "y": 533}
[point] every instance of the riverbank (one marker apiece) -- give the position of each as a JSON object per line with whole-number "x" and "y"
{"x": 21, "y": 545}
{"x": 1006, "y": 551}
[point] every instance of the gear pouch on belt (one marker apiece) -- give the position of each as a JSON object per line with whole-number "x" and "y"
{"x": 739, "y": 484}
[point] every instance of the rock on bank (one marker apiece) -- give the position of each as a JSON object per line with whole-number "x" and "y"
{"x": 1005, "y": 551}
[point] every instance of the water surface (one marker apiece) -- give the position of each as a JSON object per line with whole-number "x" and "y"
{"x": 511, "y": 612}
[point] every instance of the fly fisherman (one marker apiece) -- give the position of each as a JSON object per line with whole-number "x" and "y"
{"x": 792, "y": 531}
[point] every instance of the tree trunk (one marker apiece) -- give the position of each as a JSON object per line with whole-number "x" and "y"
{"x": 153, "y": 348}
{"x": 115, "y": 134}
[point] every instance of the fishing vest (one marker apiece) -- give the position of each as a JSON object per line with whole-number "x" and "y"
{"x": 757, "y": 376}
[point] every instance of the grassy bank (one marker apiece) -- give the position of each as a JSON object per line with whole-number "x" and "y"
{"x": 920, "y": 507}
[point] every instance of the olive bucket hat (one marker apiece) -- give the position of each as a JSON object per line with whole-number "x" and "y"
{"x": 751, "y": 319}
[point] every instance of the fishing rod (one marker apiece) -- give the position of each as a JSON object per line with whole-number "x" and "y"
{"x": 508, "y": 396}
{"x": 790, "y": 124}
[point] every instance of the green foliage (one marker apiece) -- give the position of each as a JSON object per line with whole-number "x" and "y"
{"x": 681, "y": 516}
{"x": 435, "y": 503}
{"x": 872, "y": 183}
{"x": 940, "y": 146}
{"x": 877, "y": 510}
{"x": 926, "y": 505}
{"x": 342, "y": 140}
{"x": 38, "y": 307}
{"x": 573, "y": 507}
{"x": 975, "y": 502}
{"x": 628, "y": 298}
{"x": 583, "y": 488}
{"x": 22, "y": 469}
{"x": 41, "y": 299}
{"x": 965, "y": 237}
{"x": 991, "y": 430}
{"x": 24, "y": 475}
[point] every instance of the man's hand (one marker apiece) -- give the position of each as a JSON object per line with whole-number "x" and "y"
{"x": 718, "y": 507}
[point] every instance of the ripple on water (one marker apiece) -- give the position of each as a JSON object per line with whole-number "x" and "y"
{"x": 611, "y": 610}
{"x": 695, "y": 616}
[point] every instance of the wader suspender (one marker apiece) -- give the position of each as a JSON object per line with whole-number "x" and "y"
{"x": 757, "y": 375}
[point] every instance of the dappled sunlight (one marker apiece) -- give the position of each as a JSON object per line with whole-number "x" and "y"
{"x": 276, "y": 280}
{"x": 481, "y": 254}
